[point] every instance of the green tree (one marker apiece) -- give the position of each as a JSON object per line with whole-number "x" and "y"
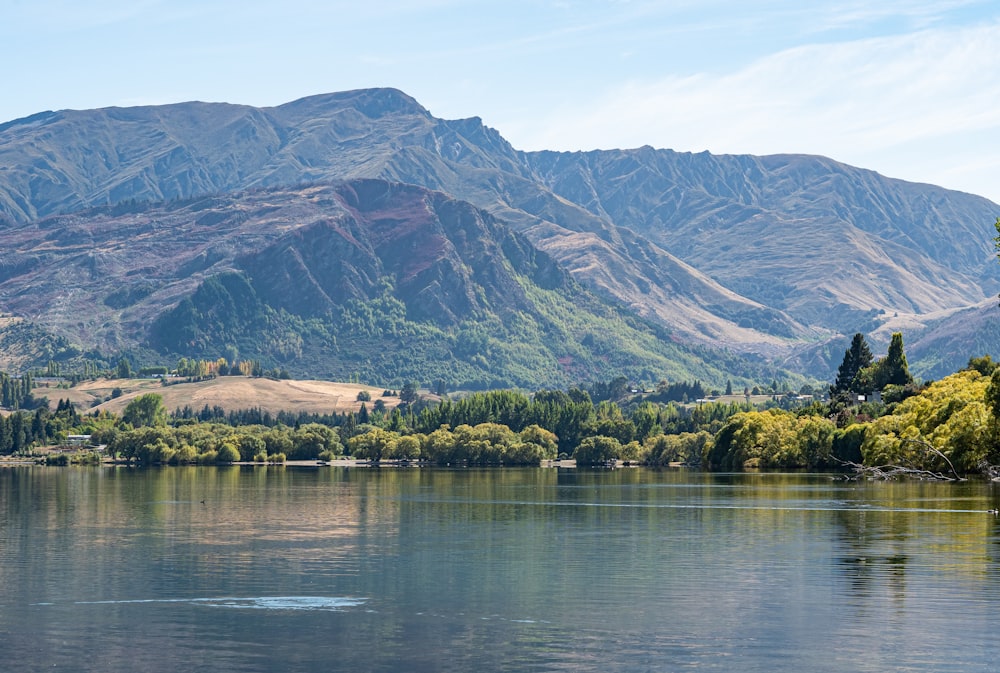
{"x": 228, "y": 453}
{"x": 538, "y": 436}
{"x": 893, "y": 369}
{"x": 373, "y": 445}
{"x": 857, "y": 357}
{"x": 952, "y": 415}
{"x": 984, "y": 365}
{"x": 405, "y": 448}
{"x": 248, "y": 446}
{"x": 408, "y": 393}
{"x": 439, "y": 446}
{"x": 310, "y": 440}
{"x": 145, "y": 410}
{"x": 993, "y": 394}
{"x": 686, "y": 447}
{"x": 124, "y": 370}
{"x": 597, "y": 451}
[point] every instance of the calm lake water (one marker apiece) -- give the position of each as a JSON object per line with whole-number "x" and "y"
{"x": 346, "y": 569}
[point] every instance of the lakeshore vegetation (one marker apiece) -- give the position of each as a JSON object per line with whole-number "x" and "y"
{"x": 874, "y": 414}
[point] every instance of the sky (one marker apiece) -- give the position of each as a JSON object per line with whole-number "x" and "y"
{"x": 910, "y": 89}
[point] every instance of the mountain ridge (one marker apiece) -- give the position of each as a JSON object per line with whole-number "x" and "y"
{"x": 775, "y": 256}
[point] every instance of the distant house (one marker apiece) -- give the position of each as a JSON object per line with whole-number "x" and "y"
{"x": 77, "y": 440}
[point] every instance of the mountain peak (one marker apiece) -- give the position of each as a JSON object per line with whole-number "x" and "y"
{"x": 770, "y": 255}
{"x": 373, "y": 103}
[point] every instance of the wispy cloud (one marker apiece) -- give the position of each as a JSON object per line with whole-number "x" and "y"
{"x": 848, "y": 100}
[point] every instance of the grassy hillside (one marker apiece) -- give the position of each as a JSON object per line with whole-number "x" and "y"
{"x": 229, "y": 392}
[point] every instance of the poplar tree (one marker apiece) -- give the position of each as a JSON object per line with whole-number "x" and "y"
{"x": 893, "y": 369}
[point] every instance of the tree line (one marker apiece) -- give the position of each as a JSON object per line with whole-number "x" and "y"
{"x": 876, "y": 414}
{"x": 21, "y": 430}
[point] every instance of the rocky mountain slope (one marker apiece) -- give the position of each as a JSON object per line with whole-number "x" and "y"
{"x": 781, "y": 256}
{"x": 365, "y": 278}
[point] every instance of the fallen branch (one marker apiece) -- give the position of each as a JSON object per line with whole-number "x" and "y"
{"x": 930, "y": 447}
{"x": 887, "y": 472}
{"x": 991, "y": 472}
{"x": 890, "y": 472}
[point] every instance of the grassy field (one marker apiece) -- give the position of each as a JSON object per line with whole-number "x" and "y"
{"x": 229, "y": 392}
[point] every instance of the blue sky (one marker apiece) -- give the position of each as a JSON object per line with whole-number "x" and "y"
{"x": 910, "y": 89}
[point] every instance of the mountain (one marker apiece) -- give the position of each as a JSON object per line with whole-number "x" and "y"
{"x": 368, "y": 278}
{"x": 782, "y": 257}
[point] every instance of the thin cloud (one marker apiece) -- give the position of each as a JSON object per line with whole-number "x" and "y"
{"x": 847, "y": 101}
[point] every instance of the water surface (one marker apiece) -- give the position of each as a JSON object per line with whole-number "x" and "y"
{"x": 344, "y": 569}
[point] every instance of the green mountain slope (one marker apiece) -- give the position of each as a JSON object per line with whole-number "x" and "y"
{"x": 370, "y": 279}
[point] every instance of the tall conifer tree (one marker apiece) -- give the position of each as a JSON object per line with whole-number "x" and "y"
{"x": 856, "y": 358}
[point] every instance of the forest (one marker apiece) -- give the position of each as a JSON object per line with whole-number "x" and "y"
{"x": 874, "y": 416}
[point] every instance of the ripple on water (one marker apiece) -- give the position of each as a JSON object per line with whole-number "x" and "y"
{"x": 326, "y": 603}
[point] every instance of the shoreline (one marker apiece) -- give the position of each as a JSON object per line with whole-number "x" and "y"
{"x": 18, "y": 461}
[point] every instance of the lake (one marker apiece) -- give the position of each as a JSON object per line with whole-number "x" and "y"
{"x": 271, "y": 569}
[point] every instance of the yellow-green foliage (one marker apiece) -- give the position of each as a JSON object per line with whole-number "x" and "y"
{"x": 950, "y": 414}
{"x": 375, "y": 444}
{"x": 482, "y": 444}
{"x": 772, "y": 438}
{"x": 597, "y": 450}
{"x": 685, "y": 448}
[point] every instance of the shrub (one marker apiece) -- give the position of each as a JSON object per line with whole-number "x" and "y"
{"x": 207, "y": 457}
{"x": 227, "y": 453}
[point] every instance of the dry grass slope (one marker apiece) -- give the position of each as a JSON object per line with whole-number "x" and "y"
{"x": 229, "y": 392}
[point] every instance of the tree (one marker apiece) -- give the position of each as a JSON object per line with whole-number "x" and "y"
{"x": 857, "y": 357}
{"x": 542, "y": 438}
{"x": 406, "y": 447}
{"x": 124, "y": 370}
{"x": 992, "y": 396}
{"x": 947, "y": 425}
{"x": 408, "y": 394}
{"x": 312, "y": 439}
{"x": 893, "y": 369}
{"x": 228, "y": 453}
{"x": 144, "y": 410}
{"x": 890, "y": 370}
{"x": 597, "y": 451}
{"x": 248, "y": 446}
{"x": 984, "y": 365}
{"x": 439, "y": 446}
{"x": 373, "y": 445}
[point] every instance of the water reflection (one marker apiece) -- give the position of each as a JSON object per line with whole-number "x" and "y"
{"x": 449, "y": 570}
